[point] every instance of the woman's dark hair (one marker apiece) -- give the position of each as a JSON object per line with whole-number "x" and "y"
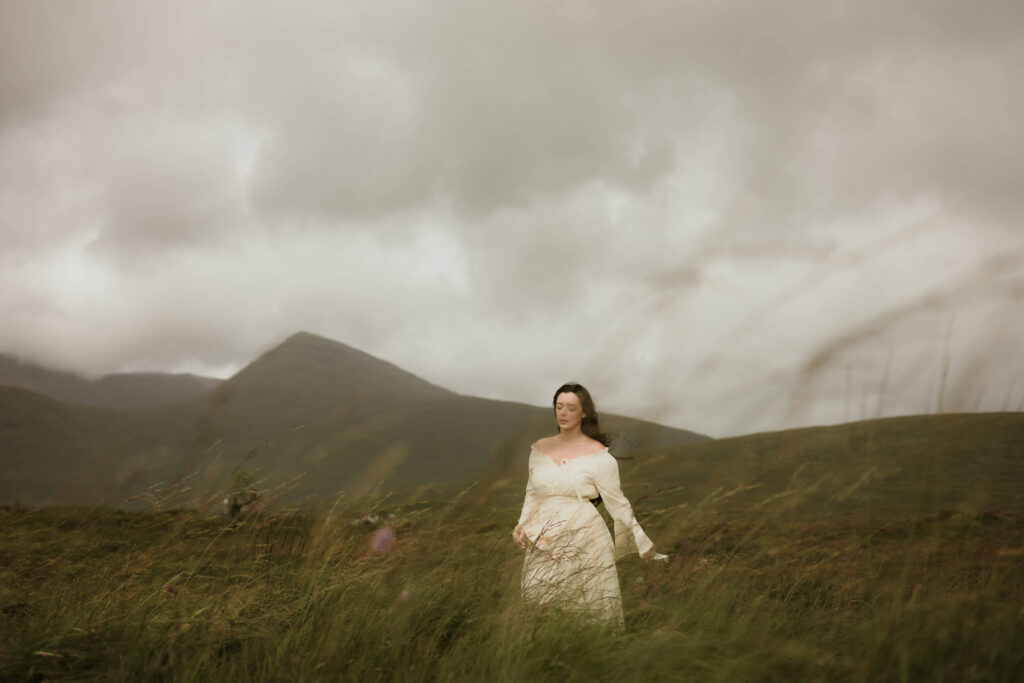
{"x": 590, "y": 424}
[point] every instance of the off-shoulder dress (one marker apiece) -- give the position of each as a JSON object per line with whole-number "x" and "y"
{"x": 570, "y": 555}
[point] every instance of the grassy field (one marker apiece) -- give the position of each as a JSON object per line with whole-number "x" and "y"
{"x": 100, "y": 594}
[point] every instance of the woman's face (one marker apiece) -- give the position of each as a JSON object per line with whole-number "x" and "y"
{"x": 568, "y": 411}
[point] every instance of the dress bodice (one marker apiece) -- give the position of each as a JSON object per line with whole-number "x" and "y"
{"x": 568, "y": 477}
{"x": 554, "y": 493}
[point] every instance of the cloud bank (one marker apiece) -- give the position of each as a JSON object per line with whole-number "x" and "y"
{"x": 725, "y": 216}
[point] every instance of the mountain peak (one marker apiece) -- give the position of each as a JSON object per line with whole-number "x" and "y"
{"x": 322, "y": 349}
{"x": 309, "y": 342}
{"x": 303, "y": 337}
{"x": 308, "y": 362}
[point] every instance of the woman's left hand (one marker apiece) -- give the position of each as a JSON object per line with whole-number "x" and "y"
{"x": 651, "y": 555}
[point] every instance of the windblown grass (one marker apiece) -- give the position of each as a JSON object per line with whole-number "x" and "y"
{"x": 99, "y": 594}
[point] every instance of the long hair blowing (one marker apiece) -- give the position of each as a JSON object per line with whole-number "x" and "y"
{"x": 590, "y": 425}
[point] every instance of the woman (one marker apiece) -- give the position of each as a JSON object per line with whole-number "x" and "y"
{"x": 570, "y": 556}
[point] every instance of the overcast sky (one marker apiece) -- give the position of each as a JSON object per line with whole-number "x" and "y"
{"x": 724, "y": 216}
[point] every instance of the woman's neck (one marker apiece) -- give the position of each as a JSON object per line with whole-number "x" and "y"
{"x": 574, "y": 435}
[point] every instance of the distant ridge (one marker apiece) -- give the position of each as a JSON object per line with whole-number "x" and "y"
{"x": 906, "y": 465}
{"x": 311, "y": 418}
{"x": 120, "y": 390}
{"x": 311, "y": 414}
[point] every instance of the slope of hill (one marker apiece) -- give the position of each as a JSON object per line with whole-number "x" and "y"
{"x": 311, "y": 413}
{"x": 315, "y": 417}
{"x": 339, "y": 418}
{"x": 52, "y": 451}
{"x": 916, "y": 465}
{"x": 120, "y": 390}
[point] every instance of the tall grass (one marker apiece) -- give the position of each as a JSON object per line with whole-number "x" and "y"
{"x": 100, "y": 594}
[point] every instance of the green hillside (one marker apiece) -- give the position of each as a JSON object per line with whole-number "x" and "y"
{"x": 55, "y": 451}
{"x": 360, "y": 422}
{"x": 916, "y": 465}
{"x": 311, "y": 417}
{"x": 120, "y": 390}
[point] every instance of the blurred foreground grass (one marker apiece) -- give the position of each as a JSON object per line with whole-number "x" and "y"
{"x": 100, "y": 594}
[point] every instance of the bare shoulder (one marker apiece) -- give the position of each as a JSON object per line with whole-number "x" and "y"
{"x": 595, "y": 445}
{"x": 542, "y": 443}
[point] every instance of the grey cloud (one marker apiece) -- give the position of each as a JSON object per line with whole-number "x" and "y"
{"x": 365, "y": 110}
{"x": 626, "y": 189}
{"x": 171, "y": 191}
{"x": 482, "y": 118}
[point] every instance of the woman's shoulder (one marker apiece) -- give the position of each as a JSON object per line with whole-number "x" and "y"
{"x": 595, "y": 446}
{"x": 541, "y": 442}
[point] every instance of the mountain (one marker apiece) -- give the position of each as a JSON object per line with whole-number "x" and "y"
{"x": 121, "y": 390}
{"x": 338, "y": 419}
{"x": 313, "y": 417}
{"x": 310, "y": 417}
{"x": 55, "y": 451}
{"x": 909, "y": 465}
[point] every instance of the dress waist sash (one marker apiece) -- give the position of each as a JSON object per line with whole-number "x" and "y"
{"x": 595, "y": 501}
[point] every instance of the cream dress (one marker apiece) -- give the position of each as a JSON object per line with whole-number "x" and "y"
{"x": 570, "y": 555}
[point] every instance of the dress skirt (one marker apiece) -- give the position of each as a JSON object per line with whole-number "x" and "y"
{"x": 570, "y": 553}
{"x": 570, "y": 561}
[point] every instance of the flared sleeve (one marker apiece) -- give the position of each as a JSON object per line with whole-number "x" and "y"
{"x": 629, "y": 536}
{"x": 530, "y": 500}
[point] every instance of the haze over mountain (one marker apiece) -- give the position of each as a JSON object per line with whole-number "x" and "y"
{"x": 119, "y": 390}
{"x": 313, "y": 415}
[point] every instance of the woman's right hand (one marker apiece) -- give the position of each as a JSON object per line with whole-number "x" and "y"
{"x": 519, "y": 536}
